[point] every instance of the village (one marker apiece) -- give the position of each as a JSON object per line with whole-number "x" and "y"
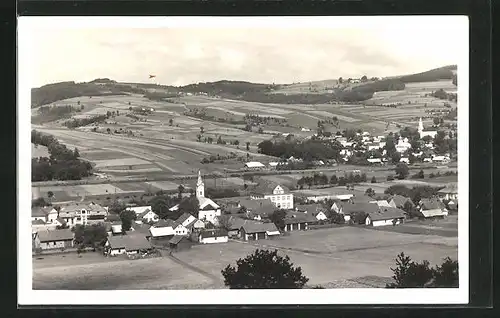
{"x": 268, "y": 212}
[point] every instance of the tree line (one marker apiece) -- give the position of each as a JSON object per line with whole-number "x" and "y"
{"x": 63, "y": 163}
{"x": 307, "y": 150}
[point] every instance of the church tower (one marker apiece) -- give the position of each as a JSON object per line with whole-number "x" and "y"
{"x": 200, "y": 186}
{"x": 420, "y": 126}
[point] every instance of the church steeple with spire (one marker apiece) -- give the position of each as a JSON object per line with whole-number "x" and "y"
{"x": 420, "y": 126}
{"x": 200, "y": 186}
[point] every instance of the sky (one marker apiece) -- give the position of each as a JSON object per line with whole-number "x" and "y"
{"x": 189, "y": 53}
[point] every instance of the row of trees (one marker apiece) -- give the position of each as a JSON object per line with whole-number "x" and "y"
{"x": 63, "y": 163}
{"x": 79, "y": 122}
{"x": 307, "y": 150}
{"x": 415, "y": 194}
{"x": 266, "y": 269}
{"x": 322, "y": 179}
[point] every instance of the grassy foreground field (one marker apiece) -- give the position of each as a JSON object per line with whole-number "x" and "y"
{"x": 335, "y": 257}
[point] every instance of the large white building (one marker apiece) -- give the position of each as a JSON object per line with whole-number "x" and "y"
{"x": 279, "y": 195}
{"x": 423, "y": 132}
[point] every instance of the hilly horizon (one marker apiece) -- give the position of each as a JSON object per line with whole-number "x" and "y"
{"x": 315, "y": 92}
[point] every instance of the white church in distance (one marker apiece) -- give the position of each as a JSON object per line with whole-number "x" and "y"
{"x": 424, "y": 132}
{"x": 208, "y": 210}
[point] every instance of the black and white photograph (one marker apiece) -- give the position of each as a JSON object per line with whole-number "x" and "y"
{"x": 216, "y": 160}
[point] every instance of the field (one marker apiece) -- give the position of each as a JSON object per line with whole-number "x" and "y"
{"x": 39, "y": 151}
{"x": 334, "y": 257}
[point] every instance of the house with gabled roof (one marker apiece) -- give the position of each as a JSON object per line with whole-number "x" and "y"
{"x": 385, "y": 216}
{"x": 257, "y": 209}
{"x": 166, "y": 229}
{"x": 256, "y": 230}
{"x": 450, "y": 192}
{"x": 148, "y": 216}
{"x": 316, "y": 210}
{"x": 213, "y": 236}
{"x": 130, "y": 244}
{"x": 432, "y": 208}
{"x": 190, "y": 222}
{"x": 279, "y": 195}
{"x": 179, "y": 243}
{"x": 399, "y": 201}
{"x": 54, "y": 239}
{"x": 298, "y": 221}
{"x": 45, "y": 214}
{"x": 350, "y": 210}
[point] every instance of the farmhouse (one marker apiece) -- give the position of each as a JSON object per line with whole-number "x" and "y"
{"x": 208, "y": 209}
{"x": 139, "y": 209}
{"x": 279, "y": 195}
{"x": 315, "y": 210}
{"x": 385, "y": 216}
{"x": 403, "y": 145}
{"x": 142, "y": 229}
{"x": 383, "y": 203}
{"x": 432, "y": 208}
{"x": 450, "y": 192}
{"x": 56, "y": 239}
{"x": 213, "y": 236}
{"x": 351, "y": 210}
{"x": 257, "y": 231}
{"x": 45, "y": 214}
{"x": 440, "y": 159}
{"x": 190, "y": 222}
{"x": 129, "y": 244}
{"x": 257, "y": 209}
{"x": 255, "y": 165}
{"x": 81, "y": 213}
{"x": 148, "y": 216}
{"x": 399, "y": 201}
{"x": 167, "y": 228}
{"x": 296, "y": 221}
{"x": 179, "y": 243}
{"x": 425, "y": 132}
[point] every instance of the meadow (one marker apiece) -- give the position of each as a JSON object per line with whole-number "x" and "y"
{"x": 334, "y": 257}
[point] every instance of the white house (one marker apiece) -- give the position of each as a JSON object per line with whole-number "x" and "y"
{"x": 450, "y": 192}
{"x": 148, "y": 216}
{"x": 167, "y": 228}
{"x": 279, "y": 195}
{"x": 431, "y": 208}
{"x": 374, "y": 160}
{"x": 82, "y": 213}
{"x": 440, "y": 159}
{"x": 213, "y": 236}
{"x": 315, "y": 210}
{"x": 385, "y": 216}
{"x": 56, "y": 239}
{"x": 129, "y": 244}
{"x": 208, "y": 210}
{"x": 139, "y": 209}
{"x": 305, "y": 129}
{"x": 403, "y": 145}
{"x": 45, "y": 214}
{"x": 254, "y": 165}
{"x": 404, "y": 160}
{"x": 190, "y": 222}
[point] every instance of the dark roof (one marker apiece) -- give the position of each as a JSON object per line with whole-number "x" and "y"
{"x": 176, "y": 239}
{"x": 37, "y": 222}
{"x": 263, "y": 207}
{"x": 298, "y": 217}
{"x": 430, "y": 204}
{"x": 311, "y": 209}
{"x": 362, "y": 199}
{"x": 142, "y": 228}
{"x": 55, "y": 235}
{"x": 142, "y": 214}
{"x": 40, "y": 212}
{"x": 131, "y": 242}
{"x": 167, "y": 223}
{"x": 113, "y": 217}
{"x": 183, "y": 218}
{"x": 450, "y": 188}
{"x": 213, "y": 233}
{"x": 350, "y": 208}
{"x": 400, "y": 200}
{"x": 267, "y": 187}
{"x": 386, "y": 213}
{"x": 235, "y": 223}
{"x": 258, "y": 227}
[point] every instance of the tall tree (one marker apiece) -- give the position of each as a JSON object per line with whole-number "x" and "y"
{"x": 127, "y": 217}
{"x": 180, "y": 191}
{"x": 264, "y": 270}
{"x": 401, "y": 170}
{"x": 278, "y": 218}
{"x": 248, "y": 145}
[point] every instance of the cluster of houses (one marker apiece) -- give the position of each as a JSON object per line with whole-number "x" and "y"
{"x": 246, "y": 218}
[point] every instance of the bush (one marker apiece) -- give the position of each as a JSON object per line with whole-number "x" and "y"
{"x": 390, "y": 178}
{"x": 374, "y": 180}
